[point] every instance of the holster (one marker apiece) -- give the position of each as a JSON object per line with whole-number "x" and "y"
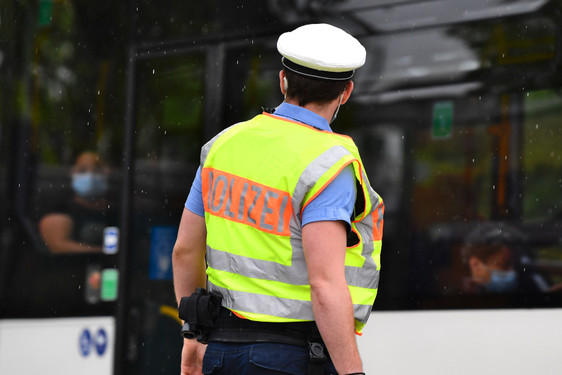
{"x": 199, "y": 312}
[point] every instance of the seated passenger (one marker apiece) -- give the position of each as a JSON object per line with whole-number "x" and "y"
{"x": 494, "y": 253}
{"x": 491, "y": 269}
{"x": 76, "y": 225}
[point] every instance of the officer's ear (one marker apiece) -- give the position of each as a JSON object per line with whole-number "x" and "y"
{"x": 347, "y": 91}
{"x": 283, "y": 84}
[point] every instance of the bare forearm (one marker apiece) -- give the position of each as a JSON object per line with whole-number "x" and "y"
{"x": 333, "y": 312}
{"x": 324, "y": 250}
{"x": 189, "y": 272}
{"x": 188, "y": 262}
{"x": 56, "y": 230}
{"x": 188, "y": 258}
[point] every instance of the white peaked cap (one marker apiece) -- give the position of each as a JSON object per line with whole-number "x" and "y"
{"x": 321, "y": 51}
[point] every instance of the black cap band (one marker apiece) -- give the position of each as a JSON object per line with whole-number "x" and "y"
{"x": 314, "y": 73}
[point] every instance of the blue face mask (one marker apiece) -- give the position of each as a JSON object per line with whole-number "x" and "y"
{"x": 502, "y": 281}
{"x": 89, "y": 184}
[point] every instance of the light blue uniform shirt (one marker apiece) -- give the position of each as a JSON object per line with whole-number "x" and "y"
{"x": 335, "y": 202}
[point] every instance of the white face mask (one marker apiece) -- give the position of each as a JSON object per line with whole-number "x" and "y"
{"x": 502, "y": 281}
{"x": 89, "y": 184}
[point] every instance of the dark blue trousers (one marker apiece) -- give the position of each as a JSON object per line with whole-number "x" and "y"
{"x": 258, "y": 359}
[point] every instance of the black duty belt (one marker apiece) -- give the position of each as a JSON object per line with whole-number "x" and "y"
{"x": 230, "y": 328}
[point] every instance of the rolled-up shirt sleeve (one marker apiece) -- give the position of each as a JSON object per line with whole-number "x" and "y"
{"x": 335, "y": 202}
{"x": 194, "y": 202}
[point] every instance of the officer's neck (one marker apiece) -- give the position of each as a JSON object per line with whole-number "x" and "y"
{"x": 325, "y": 110}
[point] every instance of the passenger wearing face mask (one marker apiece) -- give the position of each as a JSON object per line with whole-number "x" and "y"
{"x": 494, "y": 253}
{"x": 89, "y": 184}
{"x": 76, "y": 225}
{"x": 491, "y": 268}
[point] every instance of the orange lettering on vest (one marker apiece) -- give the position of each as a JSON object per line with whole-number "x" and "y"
{"x": 245, "y": 201}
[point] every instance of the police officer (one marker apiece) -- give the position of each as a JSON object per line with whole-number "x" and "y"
{"x": 282, "y": 224}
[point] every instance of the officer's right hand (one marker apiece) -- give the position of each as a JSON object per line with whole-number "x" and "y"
{"x": 192, "y": 357}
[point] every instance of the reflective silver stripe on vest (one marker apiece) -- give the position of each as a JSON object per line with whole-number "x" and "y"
{"x": 368, "y": 275}
{"x": 274, "y": 306}
{"x": 257, "y": 268}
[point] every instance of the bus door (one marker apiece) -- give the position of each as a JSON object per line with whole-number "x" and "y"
{"x": 164, "y": 129}
{"x": 179, "y": 97}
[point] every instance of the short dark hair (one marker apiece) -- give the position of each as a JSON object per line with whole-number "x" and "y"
{"x": 307, "y": 90}
{"x": 485, "y": 252}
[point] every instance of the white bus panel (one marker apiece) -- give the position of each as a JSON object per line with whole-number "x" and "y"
{"x": 65, "y": 346}
{"x": 463, "y": 342}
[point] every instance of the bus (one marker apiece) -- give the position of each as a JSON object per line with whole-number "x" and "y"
{"x": 457, "y": 114}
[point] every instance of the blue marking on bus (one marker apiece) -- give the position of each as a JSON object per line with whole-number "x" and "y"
{"x": 162, "y": 239}
{"x": 101, "y": 341}
{"x": 85, "y": 342}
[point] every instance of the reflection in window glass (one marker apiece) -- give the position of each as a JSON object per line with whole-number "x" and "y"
{"x": 451, "y": 176}
{"x": 542, "y": 155}
{"x": 169, "y": 131}
{"x": 542, "y": 167}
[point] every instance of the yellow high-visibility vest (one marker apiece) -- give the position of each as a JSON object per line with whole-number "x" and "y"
{"x": 255, "y": 187}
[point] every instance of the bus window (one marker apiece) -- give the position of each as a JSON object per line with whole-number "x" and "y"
{"x": 67, "y": 155}
{"x": 452, "y": 121}
{"x": 480, "y": 197}
{"x": 485, "y": 198}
